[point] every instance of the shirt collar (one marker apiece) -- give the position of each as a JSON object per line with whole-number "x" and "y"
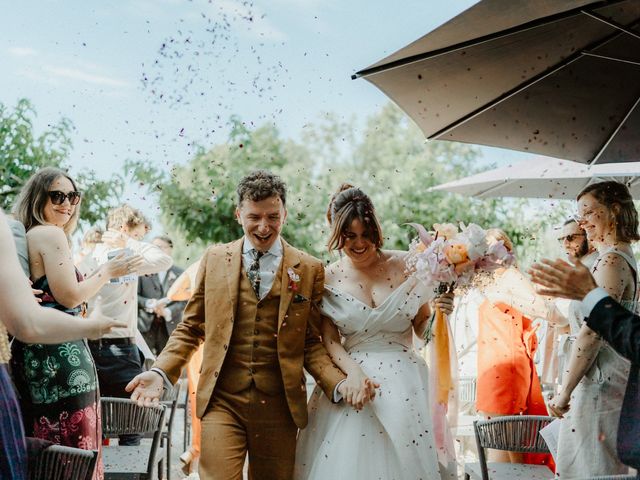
{"x": 275, "y": 250}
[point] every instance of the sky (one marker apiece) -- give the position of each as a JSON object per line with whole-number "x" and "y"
{"x": 146, "y": 79}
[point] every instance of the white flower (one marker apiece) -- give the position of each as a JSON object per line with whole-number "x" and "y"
{"x": 445, "y": 230}
{"x": 475, "y": 239}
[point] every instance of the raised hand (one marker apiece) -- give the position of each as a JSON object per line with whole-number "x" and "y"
{"x": 122, "y": 265}
{"x": 558, "y": 278}
{"x": 146, "y": 388}
{"x": 114, "y": 239}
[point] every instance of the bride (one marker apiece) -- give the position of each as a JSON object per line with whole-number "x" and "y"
{"x": 372, "y": 304}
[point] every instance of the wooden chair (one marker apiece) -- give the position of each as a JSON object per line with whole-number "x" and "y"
{"x": 63, "y": 463}
{"x": 123, "y": 416}
{"x": 517, "y": 433}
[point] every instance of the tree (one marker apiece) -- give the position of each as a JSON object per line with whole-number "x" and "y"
{"x": 22, "y": 153}
{"x": 391, "y": 162}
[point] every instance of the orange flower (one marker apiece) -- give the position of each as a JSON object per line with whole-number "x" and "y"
{"x": 456, "y": 253}
{"x": 421, "y": 247}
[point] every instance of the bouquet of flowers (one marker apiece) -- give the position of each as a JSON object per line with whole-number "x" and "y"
{"x": 451, "y": 257}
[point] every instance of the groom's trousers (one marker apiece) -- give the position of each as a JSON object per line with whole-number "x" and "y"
{"x": 249, "y": 421}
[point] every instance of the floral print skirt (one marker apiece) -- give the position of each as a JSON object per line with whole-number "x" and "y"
{"x": 59, "y": 394}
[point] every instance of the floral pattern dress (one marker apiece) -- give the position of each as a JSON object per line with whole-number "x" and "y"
{"x": 58, "y": 387}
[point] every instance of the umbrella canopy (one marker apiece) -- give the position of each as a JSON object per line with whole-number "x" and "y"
{"x": 559, "y": 78}
{"x": 544, "y": 178}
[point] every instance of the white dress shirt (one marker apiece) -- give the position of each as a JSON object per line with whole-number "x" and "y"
{"x": 269, "y": 263}
{"x": 120, "y": 300}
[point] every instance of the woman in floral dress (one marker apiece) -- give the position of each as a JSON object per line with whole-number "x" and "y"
{"x": 57, "y": 383}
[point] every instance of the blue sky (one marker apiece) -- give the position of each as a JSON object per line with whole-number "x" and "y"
{"x": 143, "y": 79}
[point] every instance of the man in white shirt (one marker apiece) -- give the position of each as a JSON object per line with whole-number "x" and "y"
{"x": 116, "y": 355}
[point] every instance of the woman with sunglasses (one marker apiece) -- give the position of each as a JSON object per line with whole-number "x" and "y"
{"x": 57, "y": 384}
{"x": 595, "y": 377}
{"x": 22, "y": 317}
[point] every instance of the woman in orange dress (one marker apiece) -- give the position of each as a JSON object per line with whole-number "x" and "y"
{"x": 508, "y": 382}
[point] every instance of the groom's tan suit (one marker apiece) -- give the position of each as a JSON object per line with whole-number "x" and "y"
{"x": 252, "y": 394}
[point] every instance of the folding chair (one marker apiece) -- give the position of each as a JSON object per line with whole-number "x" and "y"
{"x": 63, "y": 463}
{"x": 123, "y": 416}
{"x": 517, "y": 433}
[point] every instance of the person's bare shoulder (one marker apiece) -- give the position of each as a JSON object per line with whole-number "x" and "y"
{"x": 46, "y": 235}
{"x": 396, "y": 261}
{"x": 333, "y": 272}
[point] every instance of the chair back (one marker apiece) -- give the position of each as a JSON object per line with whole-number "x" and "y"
{"x": 121, "y": 416}
{"x": 64, "y": 463}
{"x": 514, "y": 433}
{"x": 467, "y": 390}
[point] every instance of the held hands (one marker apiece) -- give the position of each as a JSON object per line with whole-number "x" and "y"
{"x": 358, "y": 390}
{"x": 146, "y": 388}
{"x": 559, "y": 405}
{"x": 558, "y": 278}
{"x": 444, "y": 302}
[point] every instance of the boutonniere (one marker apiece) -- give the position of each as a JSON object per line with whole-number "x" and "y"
{"x": 294, "y": 279}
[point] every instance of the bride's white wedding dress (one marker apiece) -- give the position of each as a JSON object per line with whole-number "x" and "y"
{"x": 392, "y": 437}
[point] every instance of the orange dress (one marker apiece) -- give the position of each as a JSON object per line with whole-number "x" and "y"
{"x": 508, "y": 383}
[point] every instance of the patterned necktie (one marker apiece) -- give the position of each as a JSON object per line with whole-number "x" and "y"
{"x": 254, "y": 271}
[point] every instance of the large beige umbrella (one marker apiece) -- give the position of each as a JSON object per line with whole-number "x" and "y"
{"x": 557, "y": 78}
{"x": 544, "y": 178}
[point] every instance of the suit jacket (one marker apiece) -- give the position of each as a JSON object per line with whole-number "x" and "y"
{"x": 621, "y": 329}
{"x": 149, "y": 286}
{"x": 209, "y": 318}
{"x": 20, "y": 238}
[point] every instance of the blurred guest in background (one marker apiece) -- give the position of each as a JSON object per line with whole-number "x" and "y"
{"x": 116, "y": 354}
{"x": 157, "y": 314}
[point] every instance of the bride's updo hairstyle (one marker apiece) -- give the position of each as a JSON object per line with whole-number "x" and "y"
{"x": 617, "y": 199}
{"x": 348, "y": 204}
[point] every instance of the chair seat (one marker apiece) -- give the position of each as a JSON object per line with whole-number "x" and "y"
{"x": 509, "y": 471}
{"x": 126, "y": 459}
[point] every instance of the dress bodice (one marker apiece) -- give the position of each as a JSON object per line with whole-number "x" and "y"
{"x": 387, "y": 326}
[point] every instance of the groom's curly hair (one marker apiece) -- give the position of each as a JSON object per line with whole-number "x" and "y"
{"x": 259, "y": 185}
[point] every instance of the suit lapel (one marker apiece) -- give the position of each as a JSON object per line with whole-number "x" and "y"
{"x": 290, "y": 260}
{"x": 168, "y": 280}
{"x": 157, "y": 286}
{"x": 233, "y": 267}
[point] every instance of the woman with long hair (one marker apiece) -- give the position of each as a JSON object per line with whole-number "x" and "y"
{"x": 22, "y": 317}
{"x": 376, "y": 307}
{"x": 595, "y": 376}
{"x": 57, "y": 384}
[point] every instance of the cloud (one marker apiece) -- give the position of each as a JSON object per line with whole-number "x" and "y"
{"x": 22, "y": 51}
{"x": 83, "y": 76}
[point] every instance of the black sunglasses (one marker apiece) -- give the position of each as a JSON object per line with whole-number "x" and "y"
{"x": 57, "y": 197}
{"x": 571, "y": 237}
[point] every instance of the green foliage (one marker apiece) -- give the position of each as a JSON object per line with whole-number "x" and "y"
{"x": 22, "y": 153}
{"x": 391, "y": 162}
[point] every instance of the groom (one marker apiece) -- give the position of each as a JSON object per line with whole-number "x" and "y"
{"x": 255, "y": 308}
